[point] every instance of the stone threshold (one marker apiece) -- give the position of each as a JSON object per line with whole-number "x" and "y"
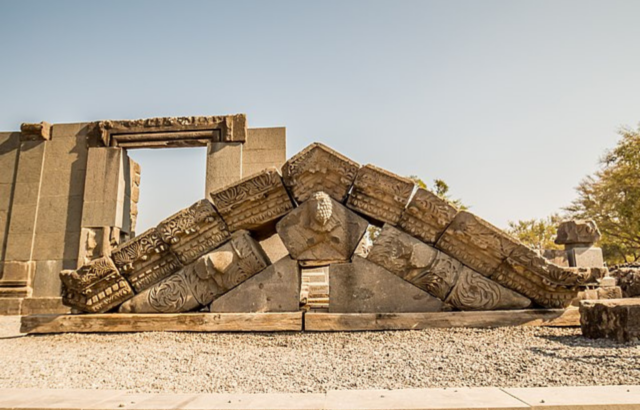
{"x": 486, "y": 398}
{"x": 292, "y": 321}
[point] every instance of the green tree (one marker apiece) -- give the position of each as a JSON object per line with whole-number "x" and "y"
{"x": 537, "y": 233}
{"x": 611, "y": 197}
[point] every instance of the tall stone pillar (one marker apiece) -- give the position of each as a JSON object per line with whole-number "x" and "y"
{"x": 224, "y": 164}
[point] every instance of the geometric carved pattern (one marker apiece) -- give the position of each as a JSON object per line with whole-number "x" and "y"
{"x": 380, "y": 194}
{"x": 319, "y": 168}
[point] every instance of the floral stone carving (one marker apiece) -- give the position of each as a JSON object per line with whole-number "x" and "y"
{"x": 193, "y": 231}
{"x": 321, "y": 231}
{"x": 254, "y": 201}
{"x": 319, "y": 168}
{"x": 427, "y": 216}
{"x": 96, "y": 287}
{"x": 145, "y": 260}
{"x": 200, "y": 283}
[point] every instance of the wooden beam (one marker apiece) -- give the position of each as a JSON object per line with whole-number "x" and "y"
{"x": 317, "y": 321}
{"x": 170, "y": 322}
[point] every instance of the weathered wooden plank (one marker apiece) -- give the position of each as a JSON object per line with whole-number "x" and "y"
{"x": 317, "y": 321}
{"x": 183, "y": 322}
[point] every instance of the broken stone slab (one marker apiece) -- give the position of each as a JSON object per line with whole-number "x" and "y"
{"x": 577, "y": 232}
{"x": 559, "y": 275}
{"x": 476, "y": 243}
{"x": 380, "y": 195}
{"x": 319, "y": 168}
{"x": 541, "y": 291}
{"x": 145, "y": 260}
{"x": 321, "y": 231}
{"x": 427, "y": 216}
{"x": 199, "y": 283}
{"x": 275, "y": 289}
{"x": 254, "y": 203}
{"x": 472, "y": 291}
{"x": 194, "y": 231}
{"x": 364, "y": 287}
{"x": 585, "y": 256}
{"x": 617, "y": 319}
{"x": 35, "y": 131}
{"x": 96, "y": 287}
{"x": 415, "y": 261}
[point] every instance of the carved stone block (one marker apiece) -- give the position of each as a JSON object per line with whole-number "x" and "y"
{"x": 427, "y": 216}
{"x": 364, "y": 287}
{"x": 611, "y": 319}
{"x": 275, "y": 289}
{"x": 473, "y": 291}
{"x": 145, "y": 260}
{"x": 577, "y": 232}
{"x": 319, "y": 168}
{"x": 36, "y": 131}
{"x": 559, "y": 275}
{"x": 193, "y": 231}
{"x": 585, "y": 256}
{"x": 540, "y": 290}
{"x": 380, "y": 195}
{"x": 415, "y": 261}
{"x": 199, "y": 283}
{"x": 321, "y": 231}
{"x": 253, "y": 202}
{"x": 96, "y": 287}
{"x": 476, "y": 243}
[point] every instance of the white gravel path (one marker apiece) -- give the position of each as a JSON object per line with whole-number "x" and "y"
{"x": 314, "y": 362}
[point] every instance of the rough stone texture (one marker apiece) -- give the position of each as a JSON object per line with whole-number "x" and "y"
{"x": 560, "y": 275}
{"x": 253, "y": 203}
{"x": 193, "y": 231}
{"x": 264, "y": 148}
{"x": 275, "y": 289}
{"x": 364, "y": 287}
{"x": 628, "y": 278}
{"x": 476, "y": 243}
{"x": 380, "y": 195}
{"x": 145, "y": 260}
{"x": 557, "y": 257}
{"x": 577, "y": 232}
{"x": 274, "y": 248}
{"x": 427, "y": 216}
{"x": 224, "y": 164}
{"x": 95, "y": 288}
{"x": 319, "y": 168}
{"x": 473, "y": 291}
{"x": 44, "y": 305}
{"x": 10, "y": 306}
{"x": 199, "y": 283}
{"x": 35, "y": 131}
{"x": 321, "y": 231}
{"x": 541, "y": 291}
{"x": 585, "y": 256}
{"x": 46, "y": 281}
{"x": 415, "y": 261}
{"x": 135, "y": 173}
{"x": 617, "y": 319}
{"x": 612, "y": 292}
{"x": 173, "y": 131}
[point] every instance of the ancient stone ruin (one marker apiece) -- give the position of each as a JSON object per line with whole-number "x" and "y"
{"x": 246, "y": 246}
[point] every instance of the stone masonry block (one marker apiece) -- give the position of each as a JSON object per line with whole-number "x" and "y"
{"x": 617, "y": 319}
{"x": 224, "y": 164}
{"x": 427, "y": 216}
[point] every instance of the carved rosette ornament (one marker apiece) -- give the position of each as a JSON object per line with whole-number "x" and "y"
{"x": 96, "y": 287}
{"x": 253, "y": 202}
{"x": 199, "y": 283}
{"x": 145, "y": 260}
{"x": 193, "y": 231}
{"x": 319, "y": 168}
{"x": 380, "y": 195}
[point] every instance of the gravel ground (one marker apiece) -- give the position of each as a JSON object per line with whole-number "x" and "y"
{"x": 314, "y": 362}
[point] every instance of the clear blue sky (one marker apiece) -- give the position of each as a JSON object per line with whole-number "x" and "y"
{"x": 510, "y": 102}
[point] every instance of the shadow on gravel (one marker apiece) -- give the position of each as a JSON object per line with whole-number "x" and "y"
{"x": 579, "y": 341}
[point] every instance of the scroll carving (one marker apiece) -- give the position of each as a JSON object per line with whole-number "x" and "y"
{"x": 427, "y": 216}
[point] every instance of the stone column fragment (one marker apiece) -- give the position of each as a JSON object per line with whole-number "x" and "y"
{"x": 193, "y": 231}
{"x": 380, "y": 195}
{"x": 476, "y": 243}
{"x": 427, "y": 216}
{"x": 319, "y": 168}
{"x": 253, "y": 202}
{"x": 96, "y": 287}
{"x": 200, "y": 283}
{"x": 145, "y": 260}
